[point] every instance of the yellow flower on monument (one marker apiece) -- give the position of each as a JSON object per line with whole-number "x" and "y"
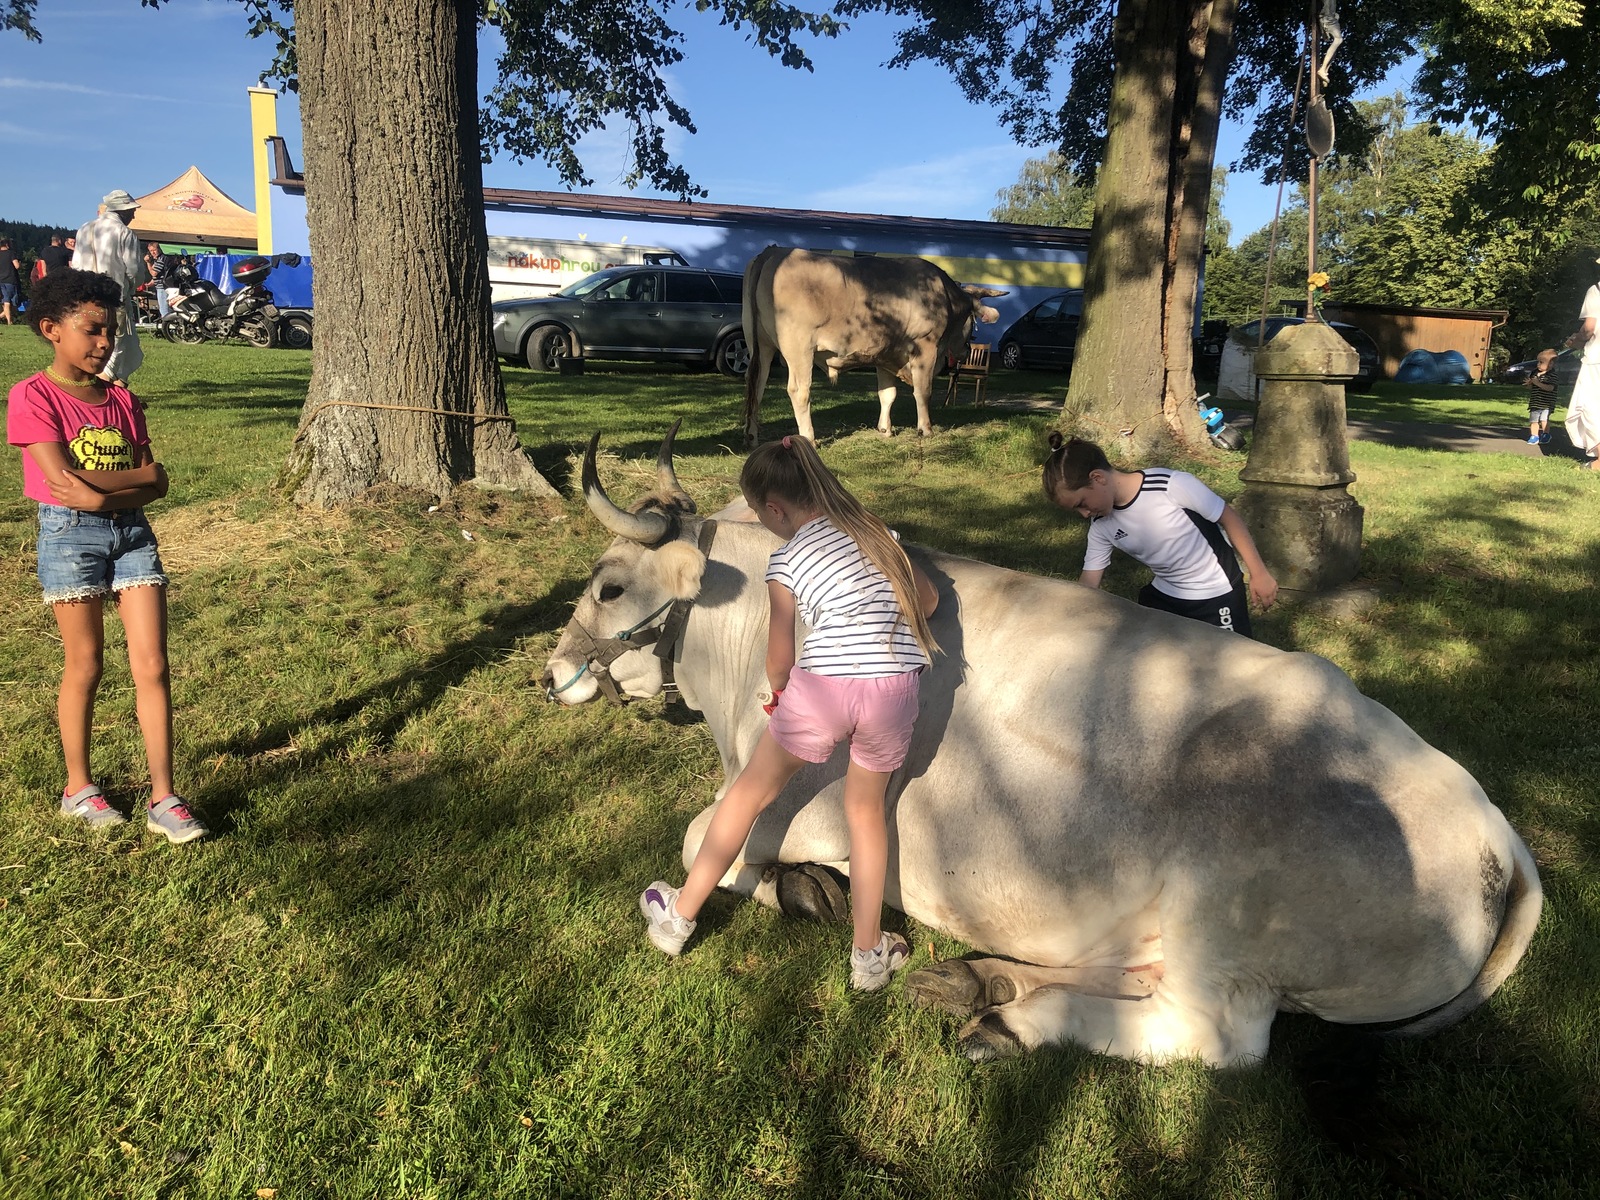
{"x": 1318, "y": 280}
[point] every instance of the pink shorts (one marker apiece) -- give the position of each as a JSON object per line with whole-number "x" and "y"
{"x": 817, "y": 712}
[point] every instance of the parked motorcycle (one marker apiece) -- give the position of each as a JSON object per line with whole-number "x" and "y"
{"x": 202, "y": 312}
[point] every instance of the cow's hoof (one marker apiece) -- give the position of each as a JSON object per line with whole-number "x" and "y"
{"x": 986, "y": 1037}
{"x": 951, "y": 985}
{"x": 812, "y": 893}
{"x": 955, "y": 987}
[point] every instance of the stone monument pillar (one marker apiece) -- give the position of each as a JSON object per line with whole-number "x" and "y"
{"x": 1306, "y": 525}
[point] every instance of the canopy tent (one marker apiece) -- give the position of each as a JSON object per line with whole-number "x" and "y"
{"x": 196, "y": 212}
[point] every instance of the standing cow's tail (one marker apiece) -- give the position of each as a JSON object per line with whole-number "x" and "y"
{"x": 754, "y": 377}
{"x": 1524, "y": 901}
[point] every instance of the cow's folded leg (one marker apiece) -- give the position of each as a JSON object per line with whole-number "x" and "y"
{"x": 1220, "y": 1030}
{"x": 810, "y": 891}
{"x": 963, "y": 986}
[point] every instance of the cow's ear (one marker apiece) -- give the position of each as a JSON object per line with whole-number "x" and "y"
{"x": 679, "y": 565}
{"x": 988, "y": 315}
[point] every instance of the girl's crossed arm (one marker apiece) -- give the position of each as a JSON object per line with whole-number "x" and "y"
{"x": 99, "y": 491}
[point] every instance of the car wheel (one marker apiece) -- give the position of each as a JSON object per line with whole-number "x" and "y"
{"x": 1011, "y": 356}
{"x": 294, "y": 332}
{"x": 546, "y": 347}
{"x": 732, "y": 356}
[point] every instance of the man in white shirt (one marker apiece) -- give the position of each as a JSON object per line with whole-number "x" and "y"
{"x": 107, "y": 245}
{"x": 1583, "y": 409}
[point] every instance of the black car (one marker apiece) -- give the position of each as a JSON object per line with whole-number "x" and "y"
{"x": 654, "y": 312}
{"x": 1046, "y": 335}
{"x": 1566, "y": 370}
{"x": 1371, "y": 361}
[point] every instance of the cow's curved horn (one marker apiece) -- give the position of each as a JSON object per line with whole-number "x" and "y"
{"x": 667, "y": 478}
{"x": 646, "y": 527}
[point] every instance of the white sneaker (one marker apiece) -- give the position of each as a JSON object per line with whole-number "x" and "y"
{"x": 870, "y": 969}
{"x": 668, "y": 931}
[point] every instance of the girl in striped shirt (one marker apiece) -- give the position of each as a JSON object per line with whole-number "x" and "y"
{"x": 856, "y": 679}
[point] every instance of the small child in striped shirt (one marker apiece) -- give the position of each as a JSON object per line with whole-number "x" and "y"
{"x": 1541, "y": 385}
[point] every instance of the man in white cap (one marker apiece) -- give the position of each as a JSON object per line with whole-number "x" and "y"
{"x": 107, "y": 245}
{"x": 1583, "y": 409}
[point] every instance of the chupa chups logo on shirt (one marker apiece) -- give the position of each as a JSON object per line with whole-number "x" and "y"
{"x": 100, "y": 449}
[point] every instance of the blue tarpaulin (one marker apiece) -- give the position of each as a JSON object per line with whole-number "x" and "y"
{"x": 290, "y": 286}
{"x": 1427, "y": 366}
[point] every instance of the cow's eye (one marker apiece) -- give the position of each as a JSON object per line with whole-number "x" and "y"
{"x": 610, "y": 592}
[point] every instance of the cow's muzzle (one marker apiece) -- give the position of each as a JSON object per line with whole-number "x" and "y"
{"x": 599, "y": 653}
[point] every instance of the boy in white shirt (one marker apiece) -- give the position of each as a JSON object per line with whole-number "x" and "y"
{"x": 1171, "y": 522}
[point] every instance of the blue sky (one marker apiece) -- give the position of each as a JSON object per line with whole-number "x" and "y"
{"x": 122, "y": 96}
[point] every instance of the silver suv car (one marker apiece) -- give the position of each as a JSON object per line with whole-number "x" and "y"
{"x": 658, "y": 313}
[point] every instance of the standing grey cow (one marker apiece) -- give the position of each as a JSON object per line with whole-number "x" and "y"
{"x": 903, "y": 316}
{"x": 1170, "y": 833}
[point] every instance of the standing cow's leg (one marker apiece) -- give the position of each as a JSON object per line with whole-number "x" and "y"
{"x": 922, "y": 370}
{"x": 799, "y": 354}
{"x": 757, "y": 372}
{"x": 886, "y": 390}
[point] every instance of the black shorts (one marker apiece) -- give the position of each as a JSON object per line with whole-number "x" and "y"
{"x": 1229, "y": 611}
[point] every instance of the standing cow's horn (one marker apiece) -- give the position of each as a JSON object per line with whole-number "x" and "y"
{"x": 646, "y": 527}
{"x": 666, "y": 478}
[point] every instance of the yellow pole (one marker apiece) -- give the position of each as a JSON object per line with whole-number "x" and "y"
{"x": 263, "y": 124}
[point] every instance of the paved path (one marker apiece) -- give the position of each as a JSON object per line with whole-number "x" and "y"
{"x": 1480, "y": 439}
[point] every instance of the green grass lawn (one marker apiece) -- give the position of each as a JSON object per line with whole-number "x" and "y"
{"x": 409, "y": 964}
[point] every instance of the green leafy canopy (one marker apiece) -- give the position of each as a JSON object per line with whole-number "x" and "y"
{"x": 567, "y": 69}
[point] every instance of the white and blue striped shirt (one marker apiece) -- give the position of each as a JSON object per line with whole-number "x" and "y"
{"x": 856, "y": 625}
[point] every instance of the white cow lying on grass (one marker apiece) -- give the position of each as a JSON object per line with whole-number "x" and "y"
{"x": 1174, "y": 832}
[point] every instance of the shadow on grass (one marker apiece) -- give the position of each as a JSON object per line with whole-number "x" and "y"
{"x": 422, "y": 685}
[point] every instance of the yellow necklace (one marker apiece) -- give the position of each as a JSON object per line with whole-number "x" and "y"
{"x": 65, "y": 382}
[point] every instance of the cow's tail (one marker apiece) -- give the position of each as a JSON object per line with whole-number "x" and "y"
{"x": 1524, "y": 901}
{"x": 750, "y": 317}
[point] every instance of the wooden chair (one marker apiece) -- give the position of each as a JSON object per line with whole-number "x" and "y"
{"x": 976, "y": 368}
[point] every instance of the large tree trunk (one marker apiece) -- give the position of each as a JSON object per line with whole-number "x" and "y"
{"x": 394, "y": 201}
{"x": 1133, "y": 371}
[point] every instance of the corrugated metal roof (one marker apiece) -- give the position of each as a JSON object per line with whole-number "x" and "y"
{"x": 696, "y": 212}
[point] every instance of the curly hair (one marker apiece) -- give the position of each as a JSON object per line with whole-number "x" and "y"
{"x": 63, "y": 290}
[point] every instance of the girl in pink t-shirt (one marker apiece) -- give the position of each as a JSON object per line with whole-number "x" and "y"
{"x": 86, "y": 459}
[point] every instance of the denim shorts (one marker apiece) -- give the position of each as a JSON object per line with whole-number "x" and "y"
{"x": 84, "y": 555}
{"x": 9, "y": 294}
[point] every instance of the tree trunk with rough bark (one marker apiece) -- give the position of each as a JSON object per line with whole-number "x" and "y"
{"x": 1133, "y": 370}
{"x": 394, "y": 202}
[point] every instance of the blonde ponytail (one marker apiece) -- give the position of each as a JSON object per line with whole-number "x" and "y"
{"x": 793, "y": 470}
